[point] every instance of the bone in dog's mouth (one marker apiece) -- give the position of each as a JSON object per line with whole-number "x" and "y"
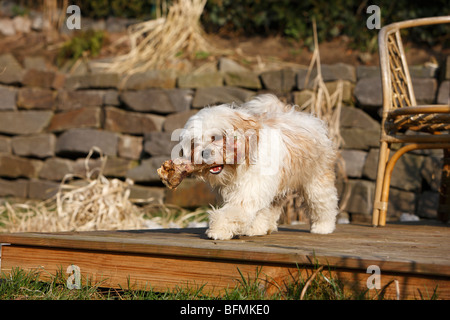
{"x": 172, "y": 172}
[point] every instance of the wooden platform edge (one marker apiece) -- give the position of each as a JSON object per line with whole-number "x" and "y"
{"x": 85, "y": 242}
{"x": 161, "y": 272}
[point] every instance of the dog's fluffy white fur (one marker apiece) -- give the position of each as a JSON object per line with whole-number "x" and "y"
{"x": 275, "y": 150}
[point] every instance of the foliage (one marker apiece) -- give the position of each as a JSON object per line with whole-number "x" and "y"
{"x": 334, "y": 18}
{"x": 85, "y": 42}
{"x": 117, "y": 8}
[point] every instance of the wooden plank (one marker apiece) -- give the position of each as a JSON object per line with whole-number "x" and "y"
{"x": 396, "y": 248}
{"x": 141, "y": 271}
{"x": 415, "y": 255}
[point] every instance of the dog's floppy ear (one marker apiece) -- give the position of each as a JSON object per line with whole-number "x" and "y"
{"x": 245, "y": 122}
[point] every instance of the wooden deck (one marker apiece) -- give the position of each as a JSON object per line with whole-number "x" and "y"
{"x": 418, "y": 256}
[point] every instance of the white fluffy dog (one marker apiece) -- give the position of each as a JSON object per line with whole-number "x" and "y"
{"x": 255, "y": 154}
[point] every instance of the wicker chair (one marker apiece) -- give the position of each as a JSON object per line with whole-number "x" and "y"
{"x": 402, "y": 115}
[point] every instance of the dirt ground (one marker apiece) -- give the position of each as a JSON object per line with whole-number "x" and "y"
{"x": 250, "y": 50}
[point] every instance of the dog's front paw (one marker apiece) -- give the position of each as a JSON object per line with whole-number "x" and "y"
{"x": 217, "y": 234}
{"x": 323, "y": 227}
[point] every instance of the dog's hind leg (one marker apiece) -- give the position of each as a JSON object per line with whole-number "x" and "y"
{"x": 322, "y": 204}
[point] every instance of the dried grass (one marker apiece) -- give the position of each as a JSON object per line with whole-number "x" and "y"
{"x": 323, "y": 104}
{"x": 92, "y": 204}
{"x": 155, "y": 44}
{"x": 326, "y": 106}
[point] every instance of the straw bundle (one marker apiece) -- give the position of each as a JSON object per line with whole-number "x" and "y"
{"x": 99, "y": 204}
{"x": 322, "y": 104}
{"x": 326, "y": 106}
{"x": 156, "y": 43}
{"x": 93, "y": 202}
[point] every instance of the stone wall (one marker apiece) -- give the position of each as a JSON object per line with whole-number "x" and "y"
{"x": 50, "y": 120}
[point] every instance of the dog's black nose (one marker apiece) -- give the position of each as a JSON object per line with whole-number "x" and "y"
{"x": 207, "y": 154}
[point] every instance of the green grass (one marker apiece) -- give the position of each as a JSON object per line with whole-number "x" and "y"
{"x": 29, "y": 285}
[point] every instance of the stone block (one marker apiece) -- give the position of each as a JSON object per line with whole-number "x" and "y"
{"x": 358, "y": 138}
{"x": 86, "y": 117}
{"x": 14, "y": 188}
{"x": 406, "y": 174}
{"x": 431, "y": 171}
{"x": 118, "y": 120}
{"x": 150, "y": 194}
{"x": 7, "y": 27}
{"x": 423, "y": 71}
{"x": 111, "y": 98}
{"x": 356, "y": 118}
{"x": 12, "y": 71}
{"x": 59, "y": 81}
{"x": 368, "y": 72}
{"x": 360, "y": 199}
{"x": 368, "y": 92}
{"x": 92, "y": 80}
{"x": 447, "y": 68}
{"x": 354, "y": 162}
{"x": 243, "y": 79}
{"x": 35, "y": 62}
{"x": 302, "y": 97}
{"x": 333, "y": 72}
{"x": 218, "y": 95}
{"x": 191, "y": 193}
{"x": 146, "y": 171}
{"x": 42, "y": 189}
{"x": 80, "y": 141}
{"x": 228, "y": 65}
{"x": 424, "y": 90}
{"x": 338, "y": 71}
{"x": 5, "y": 144}
{"x": 444, "y": 93}
{"x": 302, "y": 80}
{"x": 36, "y": 98}
{"x": 24, "y": 122}
{"x": 17, "y": 167}
{"x": 163, "y": 79}
{"x": 177, "y": 120}
{"x": 71, "y": 99}
{"x": 40, "y": 145}
{"x": 428, "y": 205}
{"x": 8, "y": 96}
{"x": 22, "y": 24}
{"x": 202, "y": 80}
{"x": 283, "y": 80}
{"x": 39, "y": 78}
{"x": 55, "y": 169}
{"x": 400, "y": 202}
{"x": 158, "y": 100}
{"x": 347, "y": 89}
{"x": 114, "y": 167}
{"x": 159, "y": 143}
{"x": 130, "y": 147}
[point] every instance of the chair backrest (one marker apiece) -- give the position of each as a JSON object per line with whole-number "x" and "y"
{"x": 396, "y": 81}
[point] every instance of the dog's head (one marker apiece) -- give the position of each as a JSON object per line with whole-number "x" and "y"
{"x": 217, "y": 140}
